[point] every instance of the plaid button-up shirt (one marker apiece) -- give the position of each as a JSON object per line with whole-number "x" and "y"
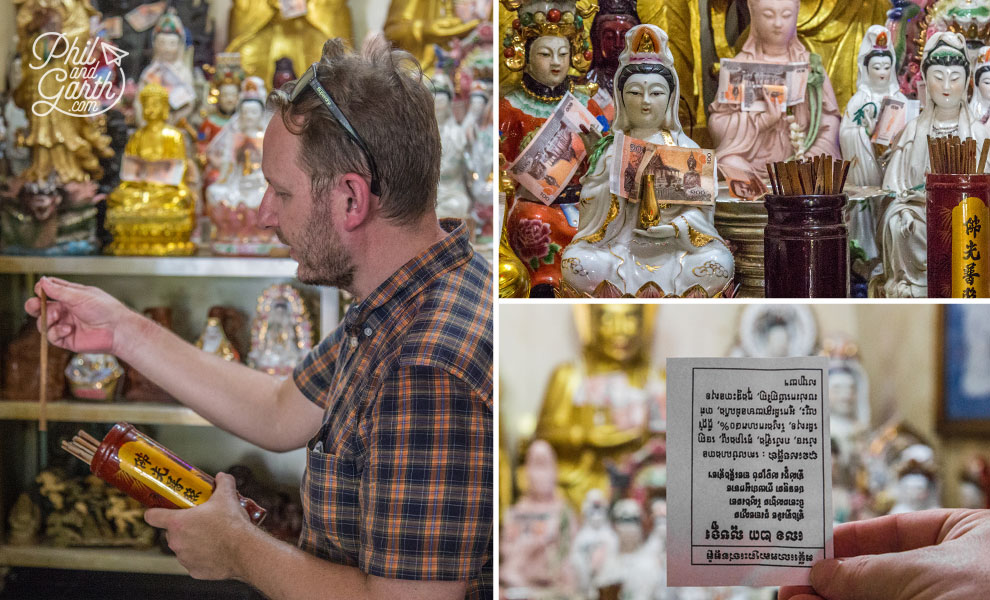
{"x": 398, "y": 480}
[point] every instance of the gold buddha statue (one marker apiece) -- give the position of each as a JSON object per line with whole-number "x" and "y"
{"x": 608, "y": 403}
{"x": 61, "y": 142}
{"x": 415, "y": 25}
{"x": 151, "y": 211}
{"x": 262, "y": 33}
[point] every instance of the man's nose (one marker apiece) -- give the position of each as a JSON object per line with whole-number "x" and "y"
{"x": 267, "y": 216}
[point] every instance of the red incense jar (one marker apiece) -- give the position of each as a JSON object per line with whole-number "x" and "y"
{"x": 958, "y": 224}
{"x": 151, "y": 474}
{"x": 806, "y": 247}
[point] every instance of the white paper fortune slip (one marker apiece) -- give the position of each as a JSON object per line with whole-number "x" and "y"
{"x": 749, "y": 488}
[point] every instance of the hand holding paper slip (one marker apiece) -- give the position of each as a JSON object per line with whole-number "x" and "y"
{"x": 905, "y": 557}
{"x": 749, "y": 491}
{"x": 547, "y": 164}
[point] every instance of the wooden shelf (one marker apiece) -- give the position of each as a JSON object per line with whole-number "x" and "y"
{"x": 176, "y": 266}
{"x": 81, "y": 411}
{"x": 91, "y": 559}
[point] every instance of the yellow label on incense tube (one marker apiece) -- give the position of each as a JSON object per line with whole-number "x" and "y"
{"x": 163, "y": 475}
{"x": 970, "y": 278}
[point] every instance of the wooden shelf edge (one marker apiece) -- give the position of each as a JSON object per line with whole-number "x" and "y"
{"x": 191, "y": 266}
{"x": 102, "y": 412}
{"x": 91, "y": 559}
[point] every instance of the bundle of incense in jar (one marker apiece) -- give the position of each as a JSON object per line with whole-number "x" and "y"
{"x": 147, "y": 471}
{"x": 952, "y": 156}
{"x": 820, "y": 175}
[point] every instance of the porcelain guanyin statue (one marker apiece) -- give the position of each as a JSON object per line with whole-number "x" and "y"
{"x": 903, "y": 226}
{"x": 979, "y": 104}
{"x": 548, "y": 40}
{"x": 169, "y": 69}
{"x": 151, "y": 211}
{"x": 225, "y": 90}
{"x": 453, "y": 200}
{"x": 746, "y": 141}
{"x": 876, "y": 81}
{"x": 233, "y": 200}
{"x": 612, "y": 254}
{"x": 537, "y": 530}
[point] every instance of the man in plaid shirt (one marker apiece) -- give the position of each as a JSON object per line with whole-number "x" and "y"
{"x": 394, "y": 406}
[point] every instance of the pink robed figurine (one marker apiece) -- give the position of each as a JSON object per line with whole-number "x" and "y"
{"x": 746, "y": 141}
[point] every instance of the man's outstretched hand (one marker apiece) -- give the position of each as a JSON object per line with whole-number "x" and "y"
{"x": 927, "y": 555}
{"x": 80, "y": 318}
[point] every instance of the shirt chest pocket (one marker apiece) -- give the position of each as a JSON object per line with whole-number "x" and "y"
{"x": 332, "y": 485}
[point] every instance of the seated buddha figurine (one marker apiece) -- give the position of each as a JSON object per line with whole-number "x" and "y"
{"x": 903, "y": 227}
{"x": 746, "y": 141}
{"x": 614, "y": 253}
{"x": 151, "y": 211}
{"x": 233, "y": 200}
{"x": 598, "y": 409}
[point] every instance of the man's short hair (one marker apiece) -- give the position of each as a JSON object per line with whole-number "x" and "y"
{"x": 382, "y": 93}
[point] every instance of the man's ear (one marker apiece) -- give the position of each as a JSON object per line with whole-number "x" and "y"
{"x": 359, "y": 202}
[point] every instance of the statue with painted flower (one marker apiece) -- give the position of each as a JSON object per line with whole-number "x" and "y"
{"x": 545, "y": 41}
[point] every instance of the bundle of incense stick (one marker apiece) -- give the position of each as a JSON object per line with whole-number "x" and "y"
{"x": 83, "y": 446}
{"x": 819, "y": 175}
{"x": 952, "y": 156}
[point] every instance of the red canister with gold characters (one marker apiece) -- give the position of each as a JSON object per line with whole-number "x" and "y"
{"x": 151, "y": 474}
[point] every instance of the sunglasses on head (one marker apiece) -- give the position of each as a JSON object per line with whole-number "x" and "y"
{"x": 310, "y": 80}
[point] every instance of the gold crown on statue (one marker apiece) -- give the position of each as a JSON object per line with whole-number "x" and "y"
{"x": 541, "y": 18}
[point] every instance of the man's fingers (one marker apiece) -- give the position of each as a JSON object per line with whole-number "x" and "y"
{"x": 158, "y": 517}
{"x": 226, "y": 484}
{"x": 892, "y": 533}
{"x": 873, "y": 577}
{"x": 795, "y": 592}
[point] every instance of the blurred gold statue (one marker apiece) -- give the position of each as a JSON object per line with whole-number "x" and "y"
{"x": 263, "y": 33}
{"x": 415, "y": 25}
{"x": 61, "y": 143}
{"x": 608, "y": 403}
{"x": 151, "y": 211}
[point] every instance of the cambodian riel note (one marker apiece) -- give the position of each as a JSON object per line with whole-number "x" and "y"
{"x": 551, "y": 159}
{"x": 680, "y": 175}
{"x": 892, "y": 119}
{"x": 742, "y": 82}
